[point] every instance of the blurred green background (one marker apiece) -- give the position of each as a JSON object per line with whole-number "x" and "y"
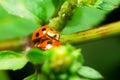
{"x": 102, "y": 55}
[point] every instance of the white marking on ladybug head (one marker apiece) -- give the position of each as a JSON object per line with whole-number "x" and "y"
{"x": 56, "y": 36}
{"x": 50, "y": 34}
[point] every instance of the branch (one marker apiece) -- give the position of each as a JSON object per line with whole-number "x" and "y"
{"x": 105, "y": 31}
{"x": 66, "y": 11}
{"x": 93, "y": 34}
{"x": 24, "y": 43}
{"x": 10, "y": 44}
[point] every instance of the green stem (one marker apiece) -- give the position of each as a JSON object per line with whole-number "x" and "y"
{"x": 67, "y": 10}
{"x": 10, "y": 44}
{"x": 23, "y": 43}
{"x": 37, "y": 71}
{"x": 75, "y": 38}
{"x": 93, "y": 34}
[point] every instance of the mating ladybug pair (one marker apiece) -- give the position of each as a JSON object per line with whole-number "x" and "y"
{"x": 45, "y": 38}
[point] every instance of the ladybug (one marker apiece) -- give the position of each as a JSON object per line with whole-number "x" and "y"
{"x": 45, "y": 31}
{"x": 45, "y": 38}
{"x": 47, "y": 44}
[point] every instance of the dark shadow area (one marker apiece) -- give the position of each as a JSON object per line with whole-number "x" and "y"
{"x": 112, "y": 16}
{"x": 21, "y": 74}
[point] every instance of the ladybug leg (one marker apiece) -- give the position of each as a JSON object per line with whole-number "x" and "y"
{"x": 37, "y": 45}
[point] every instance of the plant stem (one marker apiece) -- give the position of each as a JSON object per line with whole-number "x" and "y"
{"x": 10, "y": 44}
{"x": 37, "y": 71}
{"x": 101, "y": 32}
{"x": 66, "y": 10}
{"x": 93, "y": 34}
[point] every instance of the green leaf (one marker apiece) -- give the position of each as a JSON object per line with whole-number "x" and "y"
{"x": 109, "y": 5}
{"x": 10, "y": 60}
{"x": 36, "y": 56}
{"x": 89, "y": 17}
{"x": 74, "y": 77}
{"x": 14, "y": 27}
{"x": 49, "y": 9}
{"x": 34, "y": 10}
{"x": 84, "y": 18}
{"x": 17, "y": 7}
{"x": 56, "y": 3}
{"x": 89, "y": 73}
{"x": 36, "y": 7}
{"x": 75, "y": 67}
{"x": 40, "y": 8}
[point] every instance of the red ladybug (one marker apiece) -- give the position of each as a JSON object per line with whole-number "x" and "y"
{"x": 45, "y": 31}
{"x": 47, "y": 44}
{"x": 45, "y": 38}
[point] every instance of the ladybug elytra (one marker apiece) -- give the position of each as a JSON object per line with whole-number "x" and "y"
{"x": 45, "y": 31}
{"x": 45, "y": 38}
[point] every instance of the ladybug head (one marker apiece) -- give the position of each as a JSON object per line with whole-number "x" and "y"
{"x": 50, "y": 32}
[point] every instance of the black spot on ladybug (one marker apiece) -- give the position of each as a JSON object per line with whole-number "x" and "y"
{"x": 49, "y": 42}
{"x": 37, "y": 34}
{"x": 44, "y": 29}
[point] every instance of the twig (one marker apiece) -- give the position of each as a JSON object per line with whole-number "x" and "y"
{"x": 101, "y": 32}
{"x": 10, "y": 44}
{"x": 93, "y": 34}
{"x": 37, "y": 71}
{"x": 67, "y": 10}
